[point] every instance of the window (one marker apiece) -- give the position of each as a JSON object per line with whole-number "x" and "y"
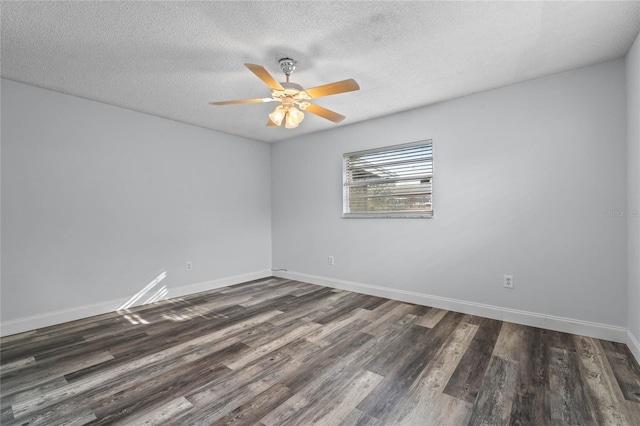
{"x": 394, "y": 181}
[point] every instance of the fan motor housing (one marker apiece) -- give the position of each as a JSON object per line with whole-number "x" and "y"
{"x": 292, "y": 91}
{"x": 291, "y": 86}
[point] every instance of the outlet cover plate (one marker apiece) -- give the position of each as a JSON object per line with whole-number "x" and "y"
{"x": 508, "y": 281}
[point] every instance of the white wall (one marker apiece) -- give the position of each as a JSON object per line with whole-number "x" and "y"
{"x": 633, "y": 190}
{"x": 99, "y": 200}
{"x": 523, "y": 175}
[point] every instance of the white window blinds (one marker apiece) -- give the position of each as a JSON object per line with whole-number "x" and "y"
{"x": 394, "y": 181}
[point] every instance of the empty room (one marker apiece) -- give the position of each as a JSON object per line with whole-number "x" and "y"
{"x": 320, "y": 213}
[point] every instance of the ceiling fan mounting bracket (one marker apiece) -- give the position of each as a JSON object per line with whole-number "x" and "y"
{"x": 287, "y": 65}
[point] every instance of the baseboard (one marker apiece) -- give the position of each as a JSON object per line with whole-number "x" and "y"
{"x": 58, "y": 317}
{"x": 550, "y": 322}
{"x": 566, "y": 325}
{"x": 634, "y": 345}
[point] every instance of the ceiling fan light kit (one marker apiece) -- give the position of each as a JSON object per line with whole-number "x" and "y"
{"x": 291, "y": 95}
{"x": 291, "y": 116}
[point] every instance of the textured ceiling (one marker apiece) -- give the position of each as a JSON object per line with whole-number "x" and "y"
{"x": 170, "y": 59}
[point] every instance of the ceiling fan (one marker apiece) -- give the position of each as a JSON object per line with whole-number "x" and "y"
{"x": 291, "y": 95}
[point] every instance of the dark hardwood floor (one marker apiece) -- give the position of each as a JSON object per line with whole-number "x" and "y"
{"x": 279, "y": 352}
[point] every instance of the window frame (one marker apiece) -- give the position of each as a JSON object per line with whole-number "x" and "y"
{"x": 419, "y": 214}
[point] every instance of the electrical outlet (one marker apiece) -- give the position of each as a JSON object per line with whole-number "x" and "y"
{"x": 331, "y": 260}
{"x": 188, "y": 266}
{"x": 508, "y": 281}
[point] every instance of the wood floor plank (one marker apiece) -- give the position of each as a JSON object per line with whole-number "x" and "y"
{"x": 495, "y": 398}
{"x": 257, "y": 299}
{"x": 340, "y": 333}
{"x": 253, "y": 410}
{"x": 89, "y": 348}
{"x": 633, "y": 411}
{"x": 70, "y": 330}
{"x": 321, "y": 401}
{"x": 384, "y": 308}
{"x": 358, "y": 418}
{"x": 18, "y": 337}
{"x": 431, "y": 318}
{"x": 305, "y": 289}
{"x": 532, "y": 390}
{"x": 112, "y": 333}
{"x": 6, "y": 415}
{"x": 57, "y": 417}
{"x": 154, "y": 392}
{"x": 205, "y": 310}
{"x": 316, "y": 394}
{"x": 510, "y": 342}
{"x": 255, "y": 285}
{"x": 171, "y": 324}
{"x": 268, "y": 331}
{"x": 282, "y": 352}
{"x": 161, "y": 414}
{"x": 257, "y": 352}
{"x": 425, "y": 396}
{"x": 357, "y": 390}
{"x": 35, "y": 375}
{"x": 626, "y": 372}
{"x": 332, "y": 367}
{"x": 16, "y": 365}
{"x": 218, "y": 400}
{"x": 344, "y": 307}
{"x": 401, "y": 346}
{"x": 307, "y": 311}
{"x": 347, "y": 321}
{"x": 57, "y": 332}
{"x": 214, "y": 331}
{"x": 600, "y": 383}
{"x": 568, "y": 403}
{"x": 313, "y": 298}
{"x": 103, "y": 381}
{"x": 10, "y": 355}
{"x": 279, "y": 363}
{"x": 398, "y": 311}
{"x": 34, "y": 391}
{"x": 371, "y": 303}
{"x": 556, "y": 339}
{"x": 409, "y": 366}
{"x": 448, "y": 411}
{"x": 466, "y": 380}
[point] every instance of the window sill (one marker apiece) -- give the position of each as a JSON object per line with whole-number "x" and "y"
{"x": 421, "y": 215}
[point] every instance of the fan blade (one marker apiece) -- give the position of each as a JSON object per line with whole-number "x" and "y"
{"x": 333, "y": 88}
{"x": 244, "y": 101}
{"x": 325, "y": 113}
{"x": 264, "y": 75}
{"x": 271, "y": 124}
